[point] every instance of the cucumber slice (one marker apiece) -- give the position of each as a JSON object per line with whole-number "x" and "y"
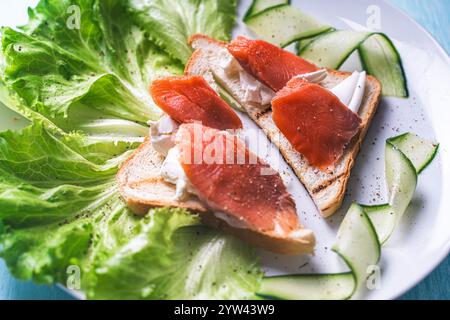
{"x": 420, "y": 151}
{"x": 381, "y": 59}
{"x": 401, "y": 177}
{"x": 283, "y": 25}
{"x": 337, "y": 286}
{"x": 357, "y": 243}
{"x": 382, "y": 217}
{"x": 330, "y": 50}
{"x": 378, "y": 56}
{"x": 258, "y": 6}
{"x": 302, "y": 44}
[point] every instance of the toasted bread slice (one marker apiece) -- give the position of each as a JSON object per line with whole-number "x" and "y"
{"x": 142, "y": 187}
{"x": 327, "y": 189}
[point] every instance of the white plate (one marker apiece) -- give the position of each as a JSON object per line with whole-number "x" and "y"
{"x": 422, "y": 240}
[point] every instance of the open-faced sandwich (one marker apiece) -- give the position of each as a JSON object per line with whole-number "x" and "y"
{"x": 189, "y": 161}
{"x": 317, "y": 118}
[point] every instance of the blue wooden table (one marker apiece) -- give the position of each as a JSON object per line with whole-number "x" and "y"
{"x": 434, "y": 15}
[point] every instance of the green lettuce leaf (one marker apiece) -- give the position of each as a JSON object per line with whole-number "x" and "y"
{"x": 45, "y": 187}
{"x": 167, "y": 260}
{"x": 85, "y": 92}
{"x": 60, "y": 209}
{"x": 80, "y": 77}
{"x": 170, "y": 23}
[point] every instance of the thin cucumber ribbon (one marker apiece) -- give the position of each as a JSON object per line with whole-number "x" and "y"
{"x": 261, "y": 5}
{"x": 364, "y": 229}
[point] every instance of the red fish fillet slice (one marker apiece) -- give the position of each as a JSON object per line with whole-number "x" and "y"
{"x": 270, "y": 64}
{"x": 315, "y": 121}
{"x": 188, "y": 99}
{"x": 243, "y": 191}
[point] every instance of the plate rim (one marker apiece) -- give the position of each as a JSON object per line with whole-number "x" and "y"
{"x": 435, "y": 263}
{"x": 446, "y": 253}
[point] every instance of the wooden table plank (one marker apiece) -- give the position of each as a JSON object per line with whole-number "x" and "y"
{"x": 13, "y": 289}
